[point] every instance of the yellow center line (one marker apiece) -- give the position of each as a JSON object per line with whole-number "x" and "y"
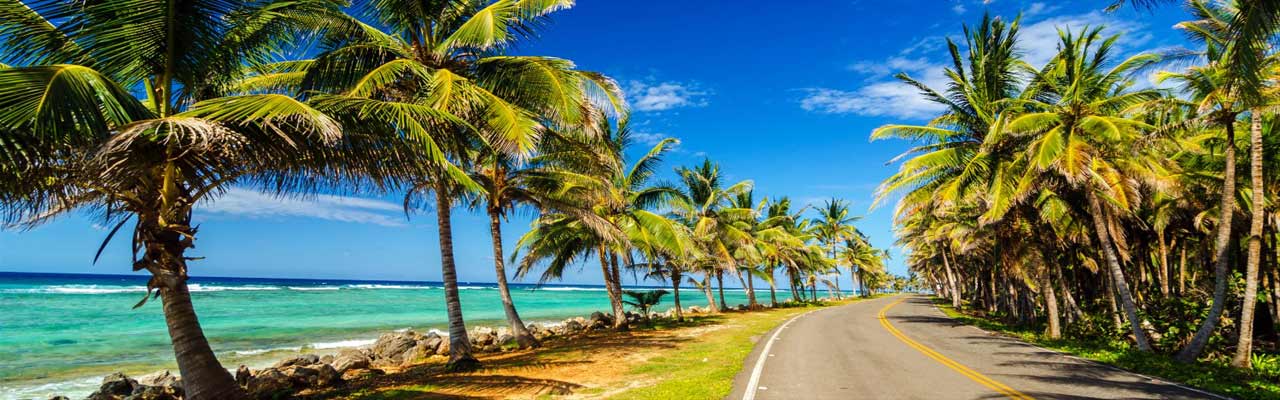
{"x": 949, "y": 363}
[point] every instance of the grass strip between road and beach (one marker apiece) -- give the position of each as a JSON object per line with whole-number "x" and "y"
{"x": 696, "y": 359}
{"x": 1212, "y": 376}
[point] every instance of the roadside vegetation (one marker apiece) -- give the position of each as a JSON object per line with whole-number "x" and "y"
{"x": 1123, "y": 221}
{"x": 136, "y": 111}
{"x": 1218, "y": 377}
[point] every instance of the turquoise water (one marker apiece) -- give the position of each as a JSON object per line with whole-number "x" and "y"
{"x": 62, "y": 333}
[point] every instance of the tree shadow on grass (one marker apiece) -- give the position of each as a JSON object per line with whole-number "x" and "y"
{"x": 501, "y": 373}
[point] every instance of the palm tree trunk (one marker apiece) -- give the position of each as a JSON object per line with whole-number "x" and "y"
{"x": 1164, "y": 265}
{"x": 523, "y": 337}
{"x": 720, "y": 287}
{"x": 1116, "y": 321}
{"x": 706, "y": 289}
{"x": 773, "y": 295}
{"x": 675, "y": 289}
{"x": 202, "y": 376}
{"x": 1182, "y": 272}
{"x": 460, "y": 358}
{"x": 620, "y": 314}
{"x": 751, "y": 293}
{"x": 1051, "y": 306}
{"x": 1244, "y": 347}
{"x": 1222, "y": 243}
{"x": 951, "y": 281}
{"x": 1117, "y": 275}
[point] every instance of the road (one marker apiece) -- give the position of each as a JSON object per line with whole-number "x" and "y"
{"x": 917, "y": 352}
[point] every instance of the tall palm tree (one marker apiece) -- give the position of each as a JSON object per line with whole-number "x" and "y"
{"x": 88, "y": 143}
{"x": 1220, "y": 102}
{"x": 620, "y": 216}
{"x": 1083, "y": 141}
{"x": 448, "y": 57}
{"x": 705, "y": 205}
{"x": 834, "y": 225}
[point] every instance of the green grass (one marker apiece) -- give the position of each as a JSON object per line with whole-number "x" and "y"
{"x": 705, "y": 369}
{"x": 1214, "y": 376}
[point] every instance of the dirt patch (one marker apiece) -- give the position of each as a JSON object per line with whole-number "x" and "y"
{"x": 593, "y": 365}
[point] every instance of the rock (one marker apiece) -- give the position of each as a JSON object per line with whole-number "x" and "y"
{"x": 301, "y": 359}
{"x": 327, "y": 359}
{"x": 114, "y": 386}
{"x": 326, "y": 375}
{"x": 361, "y": 373}
{"x": 269, "y": 383}
{"x": 432, "y": 342}
{"x": 482, "y": 338}
{"x": 59, "y": 397}
{"x": 390, "y": 347}
{"x": 143, "y": 392}
{"x": 572, "y": 326}
{"x": 507, "y": 341}
{"x": 243, "y": 375}
{"x": 696, "y": 310}
{"x": 418, "y": 353}
{"x": 444, "y": 347}
{"x": 350, "y": 359}
{"x": 162, "y": 385}
{"x": 489, "y": 348}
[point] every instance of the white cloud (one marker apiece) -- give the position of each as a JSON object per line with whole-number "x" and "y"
{"x": 958, "y": 8}
{"x": 1039, "y": 41}
{"x": 649, "y": 138}
{"x": 253, "y": 204}
{"x": 882, "y": 95}
{"x": 662, "y": 96}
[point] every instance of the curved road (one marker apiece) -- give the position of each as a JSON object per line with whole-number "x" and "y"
{"x": 917, "y": 352}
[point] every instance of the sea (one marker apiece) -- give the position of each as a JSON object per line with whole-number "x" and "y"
{"x": 61, "y": 333}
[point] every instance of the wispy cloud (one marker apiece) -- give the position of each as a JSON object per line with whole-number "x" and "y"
{"x": 958, "y": 8}
{"x": 882, "y": 95}
{"x": 246, "y": 203}
{"x": 662, "y": 96}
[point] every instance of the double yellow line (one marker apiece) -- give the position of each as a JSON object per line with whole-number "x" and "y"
{"x": 963, "y": 370}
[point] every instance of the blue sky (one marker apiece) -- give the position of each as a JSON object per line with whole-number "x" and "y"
{"x": 781, "y": 93}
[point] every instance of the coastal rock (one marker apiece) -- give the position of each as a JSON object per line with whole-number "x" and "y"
{"x": 418, "y": 353}
{"x": 142, "y": 392}
{"x": 243, "y": 375}
{"x": 348, "y": 359}
{"x": 164, "y": 379}
{"x": 696, "y": 310}
{"x": 571, "y": 326}
{"x": 114, "y": 387}
{"x": 59, "y": 397}
{"x": 481, "y": 338}
{"x": 391, "y": 347}
{"x": 432, "y": 342}
{"x": 302, "y": 359}
{"x": 327, "y": 359}
{"x": 507, "y": 341}
{"x": 269, "y": 383}
{"x": 444, "y": 348}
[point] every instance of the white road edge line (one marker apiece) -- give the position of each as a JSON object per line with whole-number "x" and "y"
{"x": 1098, "y": 363}
{"x": 754, "y": 382}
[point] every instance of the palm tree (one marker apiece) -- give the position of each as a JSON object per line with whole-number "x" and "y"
{"x": 620, "y": 217}
{"x": 448, "y": 57}
{"x": 1220, "y": 103}
{"x": 1082, "y": 140}
{"x": 834, "y": 224}
{"x": 88, "y": 143}
{"x": 706, "y": 206}
{"x": 644, "y": 301}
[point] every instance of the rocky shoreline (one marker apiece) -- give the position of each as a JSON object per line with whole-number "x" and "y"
{"x": 391, "y": 352}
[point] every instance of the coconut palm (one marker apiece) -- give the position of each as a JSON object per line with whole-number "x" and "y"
{"x": 705, "y": 205}
{"x": 620, "y": 217}
{"x": 644, "y": 301}
{"x": 833, "y": 225}
{"x": 76, "y": 138}
{"x": 1084, "y": 142}
{"x": 449, "y": 57}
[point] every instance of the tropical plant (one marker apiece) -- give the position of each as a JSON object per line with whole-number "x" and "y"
{"x": 644, "y": 301}
{"x": 76, "y": 138}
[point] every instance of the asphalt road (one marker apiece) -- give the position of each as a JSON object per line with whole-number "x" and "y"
{"x": 917, "y": 352}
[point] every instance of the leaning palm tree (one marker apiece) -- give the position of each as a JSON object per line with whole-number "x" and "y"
{"x": 1082, "y": 141}
{"x": 1220, "y": 100}
{"x": 88, "y": 143}
{"x": 448, "y": 57}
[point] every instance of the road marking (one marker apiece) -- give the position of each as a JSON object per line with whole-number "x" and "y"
{"x": 949, "y": 363}
{"x": 754, "y": 382}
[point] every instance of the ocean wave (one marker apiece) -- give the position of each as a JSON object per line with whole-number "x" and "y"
{"x": 109, "y": 289}
{"x": 312, "y": 288}
{"x": 342, "y": 344}
{"x": 477, "y": 288}
{"x": 263, "y": 351}
{"x": 569, "y": 289}
{"x": 75, "y": 388}
{"x": 379, "y": 286}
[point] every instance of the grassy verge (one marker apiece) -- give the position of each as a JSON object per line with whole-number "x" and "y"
{"x": 696, "y": 359}
{"x": 1212, "y": 376}
{"x": 704, "y": 369}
